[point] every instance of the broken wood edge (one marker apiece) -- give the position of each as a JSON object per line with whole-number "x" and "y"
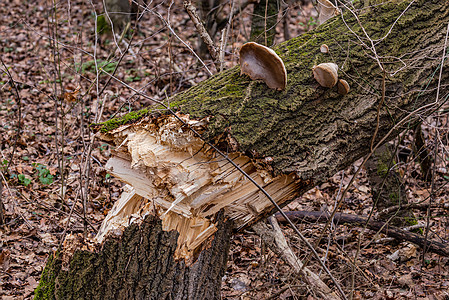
{"x": 172, "y": 173}
{"x": 392, "y": 231}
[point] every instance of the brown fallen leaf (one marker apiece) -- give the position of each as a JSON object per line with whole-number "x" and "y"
{"x": 406, "y": 280}
{"x": 32, "y": 284}
{"x": 4, "y": 259}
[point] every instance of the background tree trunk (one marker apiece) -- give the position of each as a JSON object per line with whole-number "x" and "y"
{"x": 387, "y": 187}
{"x": 422, "y": 153}
{"x": 264, "y": 21}
{"x": 305, "y": 130}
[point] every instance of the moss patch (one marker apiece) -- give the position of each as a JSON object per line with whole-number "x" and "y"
{"x": 116, "y": 122}
{"x": 103, "y": 26}
{"x": 46, "y": 287}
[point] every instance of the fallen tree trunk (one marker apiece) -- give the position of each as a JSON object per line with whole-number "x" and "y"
{"x": 440, "y": 248}
{"x": 287, "y": 141}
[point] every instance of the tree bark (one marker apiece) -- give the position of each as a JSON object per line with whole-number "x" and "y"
{"x": 314, "y": 131}
{"x": 422, "y": 153}
{"x": 304, "y": 131}
{"x": 138, "y": 265}
{"x": 120, "y": 12}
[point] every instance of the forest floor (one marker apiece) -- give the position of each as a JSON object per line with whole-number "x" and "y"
{"x": 50, "y": 163}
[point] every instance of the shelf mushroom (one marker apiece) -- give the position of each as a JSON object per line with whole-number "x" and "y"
{"x": 326, "y": 11}
{"x": 324, "y": 48}
{"x": 343, "y": 87}
{"x": 326, "y": 74}
{"x": 260, "y": 62}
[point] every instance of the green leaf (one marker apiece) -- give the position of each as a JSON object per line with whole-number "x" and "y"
{"x": 23, "y": 180}
{"x": 46, "y": 180}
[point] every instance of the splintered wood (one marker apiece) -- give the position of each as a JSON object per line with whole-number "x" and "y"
{"x": 172, "y": 173}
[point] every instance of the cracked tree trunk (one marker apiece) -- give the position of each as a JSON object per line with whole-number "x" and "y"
{"x": 288, "y": 141}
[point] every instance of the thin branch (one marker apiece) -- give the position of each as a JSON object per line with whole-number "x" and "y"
{"x": 440, "y": 248}
{"x": 184, "y": 43}
{"x": 191, "y": 11}
{"x": 19, "y": 110}
{"x": 224, "y": 37}
{"x": 276, "y": 241}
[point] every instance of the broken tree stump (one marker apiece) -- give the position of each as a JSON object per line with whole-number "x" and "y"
{"x": 288, "y": 141}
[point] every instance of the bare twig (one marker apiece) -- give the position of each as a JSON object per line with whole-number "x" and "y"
{"x": 184, "y": 43}
{"x": 19, "y": 111}
{"x": 421, "y": 206}
{"x": 15, "y": 202}
{"x": 2, "y": 206}
{"x": 191, "y": 11}
{"x": 224, "y": 37}
{"x": 275, "y": 239}
{"x": 221, "y": 23}
{"x": 392, "y": 231}
{"x": 381, "y": 103}
{"x": 432, "y": 188}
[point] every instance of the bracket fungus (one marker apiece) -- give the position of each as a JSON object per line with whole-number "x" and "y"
{"x": 324, "y": 48}
{"x": 326, "y": 11}
{"x": 260, "y": 62}
{"x": 343, "y": 87}
{"x": 326, "y": 74}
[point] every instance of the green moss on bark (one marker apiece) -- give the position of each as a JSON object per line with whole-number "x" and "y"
{"x": 46, "y": 288}
{"x": 122, "y": 120}
{"x": 305, "y": 122}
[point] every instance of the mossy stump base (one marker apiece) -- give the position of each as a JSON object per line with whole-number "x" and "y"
{"x": 138, "y": 265}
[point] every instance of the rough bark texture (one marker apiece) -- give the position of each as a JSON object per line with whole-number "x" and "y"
{"x": 422, "y": 153}
{"x": 311, "y": 130}
{"x": 139, "y": 265}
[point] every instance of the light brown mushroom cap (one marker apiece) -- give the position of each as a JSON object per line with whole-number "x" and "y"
{"x": 324, "y": 48}
{"x": 260, "y": 62}
{"x": 326, "y": 11}
{"x": 326, "y": 74}
{"x": 343, "y": 87}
